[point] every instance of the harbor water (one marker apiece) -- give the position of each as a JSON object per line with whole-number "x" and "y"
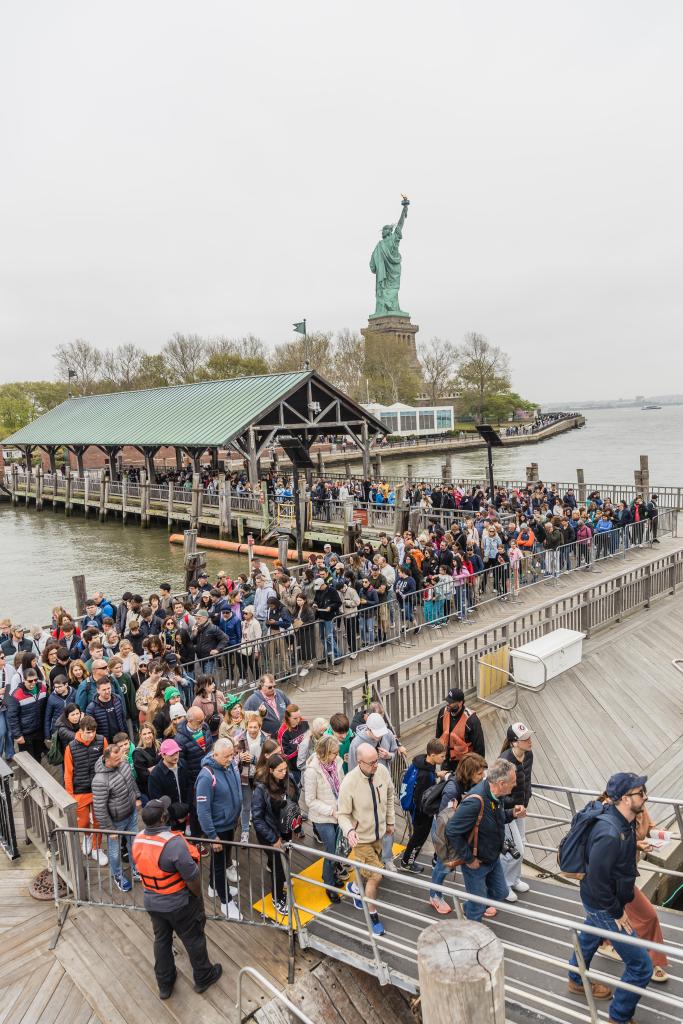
{"x": 41, "y": 551}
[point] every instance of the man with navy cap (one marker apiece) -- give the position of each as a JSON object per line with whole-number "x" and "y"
{"x": 606, "y": 888}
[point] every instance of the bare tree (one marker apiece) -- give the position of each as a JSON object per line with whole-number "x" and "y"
{"x": 185, "y": 356}
{"x": 291, "y": 355}
{"x": 483, "y": 373}
{"x": 348, "y": 372}
{"x": 122, "y": 366}
{"x": 390, "y": 378}
{"x": 81, "y": 358}
{"x": 439, "y": 366}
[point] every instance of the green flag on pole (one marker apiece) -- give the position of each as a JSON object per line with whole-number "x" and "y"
{"x": 300, "y": 328}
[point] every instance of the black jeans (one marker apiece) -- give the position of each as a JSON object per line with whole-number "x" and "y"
{"x": 422, "y": 824}
{"x": 34, "y": 744}
{"x": 188, "y": 923}
{"x": 277, "y": 875}
{"x": 218, "y": 867}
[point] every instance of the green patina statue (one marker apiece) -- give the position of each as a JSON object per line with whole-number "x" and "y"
{"x": 385, "y": 263}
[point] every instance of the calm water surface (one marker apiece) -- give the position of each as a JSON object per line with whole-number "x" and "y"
{"x": 41, "y": 551}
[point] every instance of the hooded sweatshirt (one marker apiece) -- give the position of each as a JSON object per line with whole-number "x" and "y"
{"x": 387, "y": 742}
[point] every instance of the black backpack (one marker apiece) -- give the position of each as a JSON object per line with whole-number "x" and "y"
{"x": 431, "y": 798}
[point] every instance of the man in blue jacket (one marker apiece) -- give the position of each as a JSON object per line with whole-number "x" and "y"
{"x": 108, "y": 710}
{"x": 482, "y": 871}
{"x": 218, "y": 793}
{"x": 606, "y": 888}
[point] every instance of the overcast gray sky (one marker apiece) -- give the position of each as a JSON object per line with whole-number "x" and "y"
{"x": 225, "y": 168}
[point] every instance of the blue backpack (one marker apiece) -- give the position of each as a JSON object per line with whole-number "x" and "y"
{"x": 407, "y": 794}
{"x": 571, "y": 853}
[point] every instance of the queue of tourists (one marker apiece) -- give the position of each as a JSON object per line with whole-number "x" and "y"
{"x": 248, "y": 767}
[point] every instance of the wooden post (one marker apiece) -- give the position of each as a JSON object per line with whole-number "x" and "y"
{"x": 321, "y": 464}
{"x": 410, "y": 472}
{"x": 55, "y": 488}
{"x": 169, "y": 507}
{"x": 67, "y": 491}
{"x": 253, "y": 459}
{"x": 15, "y": 483}
{"x": 124, "y": 497}
{"x": 221, "y": 504}
{"x": 39, "y": 487}
{"x": 103, "y": 495}
{"x": 347, "y": 469}
{"x": 366, "y": 450}
{"x": 194, "y": 505}
{"x": 462, "y": 981}
{"x": 80, "y": 593}
{"x": 446, "y": 472}
{"x": 377, "y": 467}
{"x": 266, "y": 510}
{"x": 27, "y": 480}
{"x": 582, "y": 485}
{"x": 400, "y": 509}
{"x": 86, "y": 494}
{"x": 144, "y": 498}
{"x": 228, "y": 507}
{"x": 645, "y": 475}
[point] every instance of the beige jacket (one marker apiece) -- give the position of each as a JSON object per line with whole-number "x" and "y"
{"x": 356, "y": 809}
{"x": 320, "y": 798}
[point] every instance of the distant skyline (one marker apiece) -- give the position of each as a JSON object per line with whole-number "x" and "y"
{"x": 226, "y": 169}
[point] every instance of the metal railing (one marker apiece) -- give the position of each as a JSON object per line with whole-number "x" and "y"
{"x": 268, "y": 986}
{"x": 8, "y": 832}
{"x": 664, "y": 810}
{"x": 391, "y": 957}
{"x": 417, "y": 685}
{"x": 370, "y": 952}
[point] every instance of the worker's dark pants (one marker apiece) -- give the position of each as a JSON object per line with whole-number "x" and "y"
{"x": 188, "y": 923}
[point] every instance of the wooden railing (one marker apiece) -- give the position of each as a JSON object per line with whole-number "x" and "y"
{"x": 417, "y": 686}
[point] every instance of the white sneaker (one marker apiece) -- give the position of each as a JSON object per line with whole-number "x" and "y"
{"x": 210, "y": 892}
{"x": 231, "y": 872}
{"x": 231, "y": 911}
{"x": 511, "y": 897}
{"x": 86, "y": 845}
{"x": 389, "y": 865}
{"x": 244, "y": 838}
{"x": 101, "y": 857}
{"x": 521, "y": 886}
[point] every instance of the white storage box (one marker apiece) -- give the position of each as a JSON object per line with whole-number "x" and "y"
{"x": 557, "y": 651}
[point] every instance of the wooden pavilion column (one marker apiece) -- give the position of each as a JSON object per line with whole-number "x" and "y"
{"x": 252, "y": 456}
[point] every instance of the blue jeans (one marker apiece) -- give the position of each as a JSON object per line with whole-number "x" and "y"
{"x": 367, "y": 629}
{"x": 6, "y": 744}
{"x": 638, "y": 963}
{"x": 439, "y": 872}
{"x": 328, "y": 639}
{"x": 328, "y": 836}
{"x": 129, "y": 824}
{"x": 486, "y": 880}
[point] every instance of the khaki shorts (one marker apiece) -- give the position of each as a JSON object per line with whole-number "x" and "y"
{"x": 368, "y": 853}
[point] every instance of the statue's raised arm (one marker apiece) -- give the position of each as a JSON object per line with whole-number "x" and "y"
{"x": 385, "y": 263}
{"x": 398, "y": 230}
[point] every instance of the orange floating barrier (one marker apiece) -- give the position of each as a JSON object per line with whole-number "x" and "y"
{"x": 262, "y": 550}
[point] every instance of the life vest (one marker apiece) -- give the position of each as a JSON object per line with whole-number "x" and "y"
{"x": 454, "y": 739}
{"x": 147, "y": 850}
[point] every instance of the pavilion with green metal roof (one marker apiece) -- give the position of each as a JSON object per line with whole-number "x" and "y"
{"x": 246, "y": 414}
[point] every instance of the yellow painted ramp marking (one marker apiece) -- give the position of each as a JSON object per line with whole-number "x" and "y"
{"x": 311, "y": 896}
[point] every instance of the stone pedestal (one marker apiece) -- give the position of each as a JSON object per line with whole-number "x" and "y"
{"x": 389, "y": 338}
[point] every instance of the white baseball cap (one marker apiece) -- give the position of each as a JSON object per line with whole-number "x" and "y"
{"x": 377, "y": 725}
{"x": 519, "y": 731}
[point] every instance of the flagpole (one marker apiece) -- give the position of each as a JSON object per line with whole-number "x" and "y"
{"x": 307, "y": 362}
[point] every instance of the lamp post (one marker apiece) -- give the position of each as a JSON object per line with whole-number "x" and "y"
{"x": 492, "y": 440}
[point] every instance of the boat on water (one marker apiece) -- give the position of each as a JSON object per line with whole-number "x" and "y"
{"x": 644, "y": 408}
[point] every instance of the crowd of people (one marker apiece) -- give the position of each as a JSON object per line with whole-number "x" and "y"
{"x": 248, "y": 767}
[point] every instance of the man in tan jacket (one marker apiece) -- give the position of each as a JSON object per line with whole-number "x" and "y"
{"x": 365, "y": 814}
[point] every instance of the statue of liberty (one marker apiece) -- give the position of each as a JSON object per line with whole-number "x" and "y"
{"x": 385, "y": 263}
